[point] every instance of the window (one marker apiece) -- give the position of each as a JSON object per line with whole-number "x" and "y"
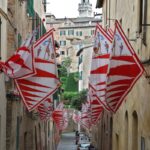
{"x": 30, "y": 9}
{"x": 143, "y": 19}
{"x": 70, "y": 32}
{"x": 19, "y": 40}
{"x": 142, "y": 143}
{"x": 80, "y": 33}
{"x": 92, "y": 32}
{"x": 62, "y": 43}
{"x": 77, "y": 33}
{"x": 80, "y": 59}
{"x": 63, "y": 32}
{"x": 62, "y": 53}
{"x": 80, "y": 75}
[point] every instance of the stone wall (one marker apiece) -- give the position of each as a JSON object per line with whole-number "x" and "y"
{"x": 3, "y": 49}
{"x": 131, "y": 122}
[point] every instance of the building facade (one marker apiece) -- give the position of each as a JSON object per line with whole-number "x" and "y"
{"x": 3, "y": 48}
{"x": 130, "y": 124}
{"x": 24, "y": 130}
{"x": 71, "y": 32}
{"x": 85, "y": 57}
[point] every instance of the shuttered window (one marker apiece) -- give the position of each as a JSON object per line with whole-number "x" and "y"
{"x": 19, "y": 40}
{"x": 30, "y": 9}
{"x": 143, "y": 19}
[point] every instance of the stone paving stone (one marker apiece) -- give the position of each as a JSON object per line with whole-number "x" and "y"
{"x": 67, "y": 142}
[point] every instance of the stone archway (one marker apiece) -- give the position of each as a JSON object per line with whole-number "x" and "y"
{"x": 134, "y": 130}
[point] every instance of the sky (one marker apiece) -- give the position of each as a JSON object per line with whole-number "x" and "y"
{"x": 67, "y": 8}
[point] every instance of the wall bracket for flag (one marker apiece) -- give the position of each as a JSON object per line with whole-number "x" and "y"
{"x": 111, "y": 19}
{"x": 134, "y": 40}
{"x": 145, "y": 25}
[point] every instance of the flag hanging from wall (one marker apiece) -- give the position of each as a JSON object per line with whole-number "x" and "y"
{"x": 21, "y": 64}
{"x": 85, "y": 116}
{"x": 96, "y": 106}
{"x": 37, "y": 88}
{"x": 60, "y": 117}
{"x": 124, "y": 69}
{"x": 100, "y": 64}
{"x": 45, "y": 109}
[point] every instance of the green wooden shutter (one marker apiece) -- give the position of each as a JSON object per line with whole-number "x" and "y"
{"x": 30, "y": 9}
{"x": 19, "y": 40}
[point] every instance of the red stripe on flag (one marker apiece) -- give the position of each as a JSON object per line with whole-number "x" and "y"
{"x": 26, "y": 88}
{"x": 100, "y": 70}
{"x": 125, "y": 70}
{"x": 101, "y": 83}
{"x": 125, "y": 81}
{"x": 116, "y": 94}
{"x": 123, "y": 58}
{"x": 43, "y": 74}
{"x": 118, "y": 88}
{"x": 38, "y": 60}
{"x": 29, "y": 94}
{"x": 27, "y": 82}
{"x": 24, "y": 49}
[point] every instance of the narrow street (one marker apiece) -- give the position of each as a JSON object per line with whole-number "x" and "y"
{"x": 67, "y": 142}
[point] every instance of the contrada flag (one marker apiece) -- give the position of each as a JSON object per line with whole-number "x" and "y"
{"x": 85, "y": 119}
{"x": 65, "y": 119}
{"x": 75, "y": 118}
{"x": 125, "y": 69}
{"x": 37, "y": 88}
{"x": 57, "y": 116}
{"x": 21, "y": 64}
{"x": 100, "y": 64}
{"x": 45, "y": 109}
{"x": 60, "y": 117}
{"x": 96, "y": 106}
{"x": 110, "y": 32}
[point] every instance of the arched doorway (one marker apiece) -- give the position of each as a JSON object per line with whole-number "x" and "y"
{"x": 134, "y": 130}
{"x": 28, "y": 141}
{"x": 126, "y": 132}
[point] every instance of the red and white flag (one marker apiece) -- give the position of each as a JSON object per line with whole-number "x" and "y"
{"x": 57, "y": 116}
{"x": 125, "y": 70}
{"x": 75, "y": 118}
{"x": 37, "y": 88}
{"x": 100, "y": 64}
{"x": 21, "y": 64}
{"x": 85, "y": 118}
{"x": 110, "y": 32}
{"x": 60, "y": 117}
{"x": 96, "y": 107}
{"x": 45, "y": 109}
{"x": 65, "y": 119}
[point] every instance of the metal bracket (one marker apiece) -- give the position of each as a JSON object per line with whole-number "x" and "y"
{"x": 145, "y": 25}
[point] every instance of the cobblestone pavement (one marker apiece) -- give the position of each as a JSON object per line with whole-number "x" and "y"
{"x": 67, "y": 142}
